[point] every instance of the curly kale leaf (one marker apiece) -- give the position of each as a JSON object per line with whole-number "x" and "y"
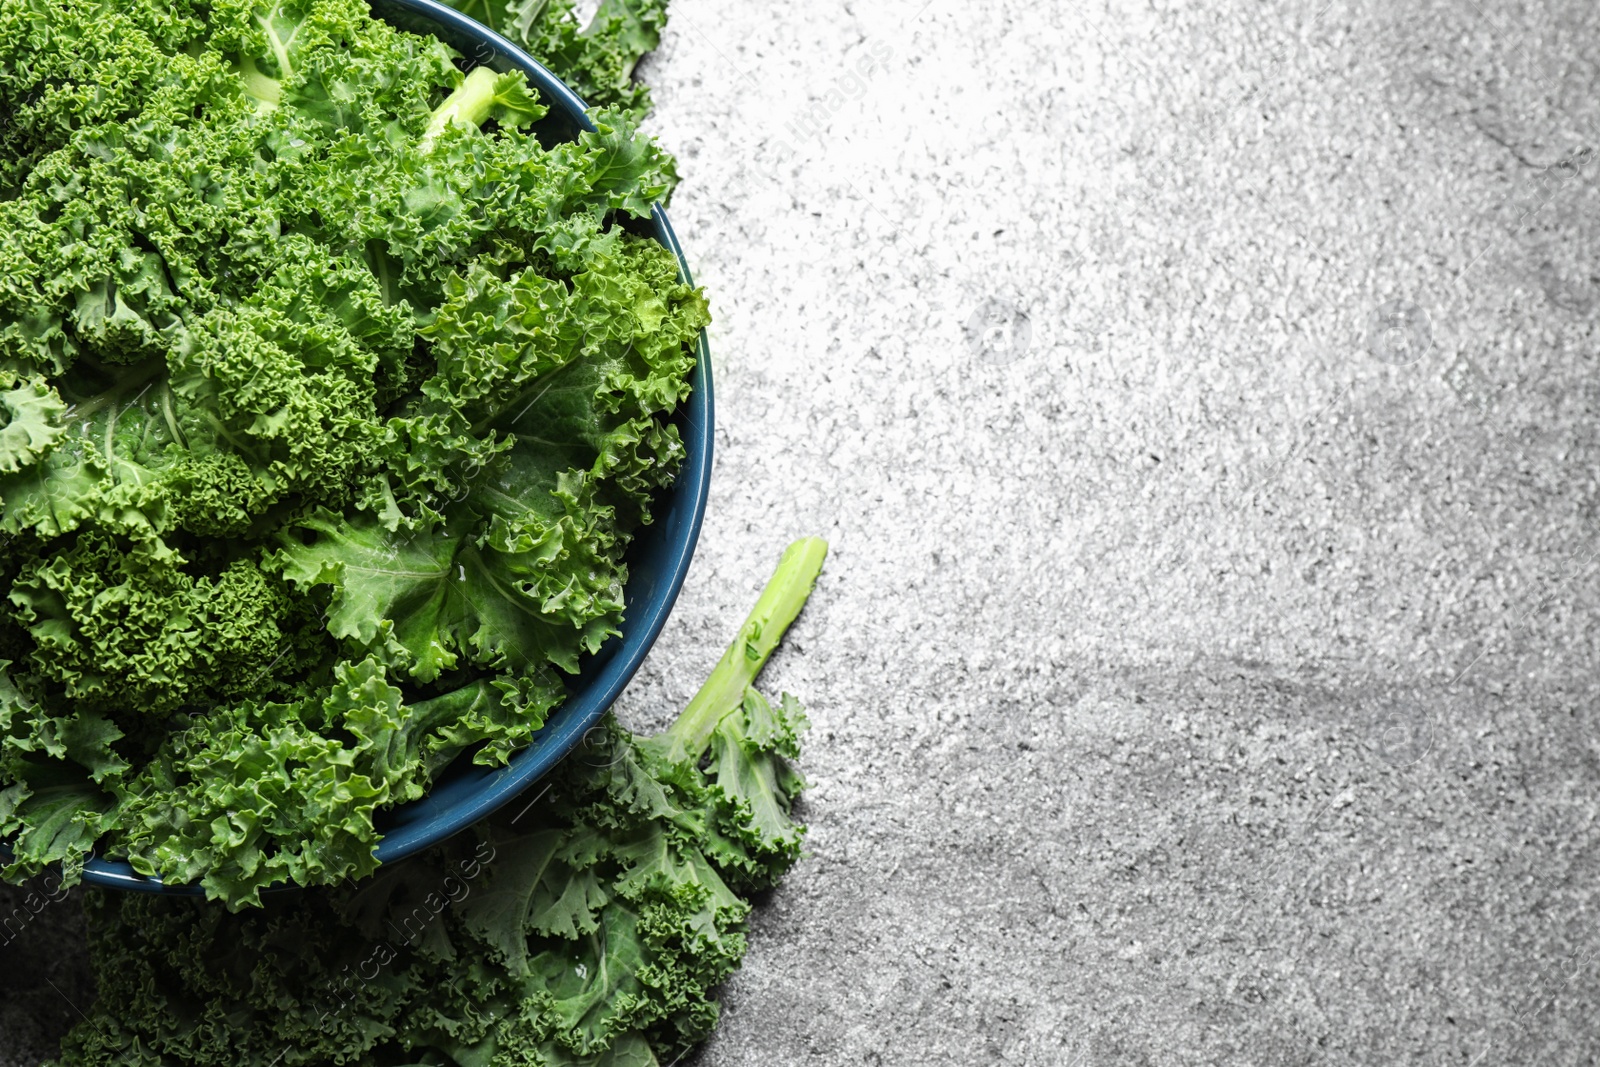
{"x": 34, "y": 420}
{"x": 127, "y": 630}
{"x": 591, "y": 927}
{"x": 528, "y": 565}
{"x": 598, "y": 59}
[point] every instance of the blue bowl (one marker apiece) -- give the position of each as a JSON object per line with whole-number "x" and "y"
{"x": 657, "y": 562}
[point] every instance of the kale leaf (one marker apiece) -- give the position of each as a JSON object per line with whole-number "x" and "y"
{"x": 588, "y": 926}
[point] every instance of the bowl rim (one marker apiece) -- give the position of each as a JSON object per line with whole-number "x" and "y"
{"x": 479, "y": 792}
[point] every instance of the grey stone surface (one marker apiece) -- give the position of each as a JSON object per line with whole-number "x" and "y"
{"x": 1193, "y": 683}
{"x": 1200, "y": 402}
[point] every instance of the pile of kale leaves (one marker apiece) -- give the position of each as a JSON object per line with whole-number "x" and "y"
{"x": 331, "y": 399}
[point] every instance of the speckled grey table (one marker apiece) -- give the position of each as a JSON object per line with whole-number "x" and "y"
{"x": 1202, "y": 407}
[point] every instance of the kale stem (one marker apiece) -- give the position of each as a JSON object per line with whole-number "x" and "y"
{"x": 267, "y": 91}
{"x": 469, "y": 105}
{"x": 724, "y": 690}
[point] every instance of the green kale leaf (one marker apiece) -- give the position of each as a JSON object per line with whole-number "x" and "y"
{"x": 589, "y": 926}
